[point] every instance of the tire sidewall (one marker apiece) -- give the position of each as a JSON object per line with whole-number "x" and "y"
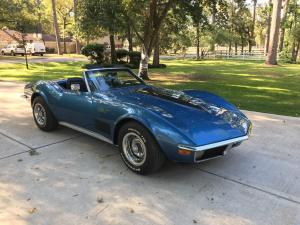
{"x": 138, "y": 169}
{"x": 51, "y": 122}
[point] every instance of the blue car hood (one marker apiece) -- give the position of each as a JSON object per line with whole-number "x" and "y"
{"x": 200, "y": 120}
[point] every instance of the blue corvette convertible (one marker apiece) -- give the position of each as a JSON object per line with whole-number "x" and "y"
{"x": 149, "y": 124}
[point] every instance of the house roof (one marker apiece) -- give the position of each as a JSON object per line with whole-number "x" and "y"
{"x": 7, "y": 35}
{"x": 12, "y": 35}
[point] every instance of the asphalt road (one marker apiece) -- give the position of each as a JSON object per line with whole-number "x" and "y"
{"x": 68, "y": 178}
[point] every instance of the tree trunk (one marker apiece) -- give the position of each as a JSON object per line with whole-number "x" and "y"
{"x": 272, "y": 55}
{"x": 39, "y": 16}
{"x": 156, "y": 52}
{"x": 254, "y": 14}
{"x": 143, "y": 71}
{"x": 64, "y": 35}
{"x": 24, "y": 47}
{"x": 152, "y": 26}
{"x": 56, "y": 28}
{"x": 213, "y": 22}
{"x": 198, "y": 41}
{"x": 267, "y": 39}
{"x": 242, "y": 50}
{"x": 250, "y": 46}
{"x": 281, "y": 39}
{"x": 129, "y": 38}
{"x": 282, "y": 30}
{"x": 252, "y": 36}
{"x": 77, "y": 44}
{"x": 229, "y": 48}
{"x": 235, "y": 48}
{"x": 112, "y": 49}
{"x": 297, "y": 51}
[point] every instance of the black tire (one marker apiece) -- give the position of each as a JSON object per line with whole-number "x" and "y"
{"x": 12, "y": 53}
{"x": 50, "y": 123}
{"x": 41, "y": 54}
{"x": 154, "y": 157}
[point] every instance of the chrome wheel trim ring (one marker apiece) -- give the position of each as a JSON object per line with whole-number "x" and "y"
{"x": 40, "y": 114}
{"x": 134, "y": 149}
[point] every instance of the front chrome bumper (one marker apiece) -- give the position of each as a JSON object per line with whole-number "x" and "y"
{"x": 214, "y": 150}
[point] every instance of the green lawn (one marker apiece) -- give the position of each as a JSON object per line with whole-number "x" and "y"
{"x": 250, "y": 85}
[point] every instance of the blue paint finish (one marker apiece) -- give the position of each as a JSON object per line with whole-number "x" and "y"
{"x": 190, "y": 118}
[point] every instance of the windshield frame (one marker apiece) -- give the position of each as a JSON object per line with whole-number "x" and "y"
{"x": 86, "y": 76}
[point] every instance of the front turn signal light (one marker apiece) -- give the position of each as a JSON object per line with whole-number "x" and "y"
{"x": 184, "y": 152}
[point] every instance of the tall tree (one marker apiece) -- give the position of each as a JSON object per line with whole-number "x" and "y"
{"x": 146, "y": 18}
{"x": 252, "y": 35}
{"x": 294, "y": 29}
{"x": 56, "y": 28}
{"x": 271, "y": 58}
{"x": 268, "y": 30}
{"x": 283, "y": 24}
{"x": 64, "y": 9}
{"x": 106, "y": 15}
{"x": 75, "y": 7}
{"x": 196, "y": 11}
{"x": 156, "y": 59}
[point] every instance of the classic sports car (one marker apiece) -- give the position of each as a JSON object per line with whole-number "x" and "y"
{"x": 149, "y": 124}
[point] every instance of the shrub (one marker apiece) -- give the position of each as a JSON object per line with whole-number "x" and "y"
{"x": 121, "y": 53}
{"x": 135, "y": 57}
{"x": 50, "y": 50}
{"x": 285, "y": 56}
{"x": 92, "y": 66}
{"x": 131, "y": 66}
{"x": 96, "y": 53}
{"x": 157, "y": 66}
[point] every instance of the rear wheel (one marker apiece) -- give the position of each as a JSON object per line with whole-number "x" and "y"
{"x": 139, "y": 150}
{"x": 12, "y": 53}
{"x": 42, "y": 115}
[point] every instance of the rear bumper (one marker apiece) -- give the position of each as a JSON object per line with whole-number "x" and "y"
{"x": 214, "y": 150}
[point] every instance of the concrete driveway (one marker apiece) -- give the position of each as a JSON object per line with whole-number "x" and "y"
{"x": 66, "y": 178}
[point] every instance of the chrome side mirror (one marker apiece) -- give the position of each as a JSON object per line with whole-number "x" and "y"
{"x": 75, "y": 87}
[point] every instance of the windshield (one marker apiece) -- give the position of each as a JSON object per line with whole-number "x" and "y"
{"x": 103, "y": 80}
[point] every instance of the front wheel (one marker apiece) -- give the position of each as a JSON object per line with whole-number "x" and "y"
{"x": 139, "y": 150}
{"x": 42, "y": 115}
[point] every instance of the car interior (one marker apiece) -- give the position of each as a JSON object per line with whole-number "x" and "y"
{"x": 66, "y": 84}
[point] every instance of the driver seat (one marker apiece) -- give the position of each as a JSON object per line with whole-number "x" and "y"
{"x": 76, "y": 80}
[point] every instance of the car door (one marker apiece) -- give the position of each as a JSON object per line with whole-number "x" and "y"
{"x": 76, "y": 108}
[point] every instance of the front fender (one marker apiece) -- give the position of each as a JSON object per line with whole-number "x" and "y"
{"x": 166, "y": 135}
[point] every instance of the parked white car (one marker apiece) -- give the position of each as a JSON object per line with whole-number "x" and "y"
{"x": 13, "y": 49}
{"x": 35, "y": 48}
